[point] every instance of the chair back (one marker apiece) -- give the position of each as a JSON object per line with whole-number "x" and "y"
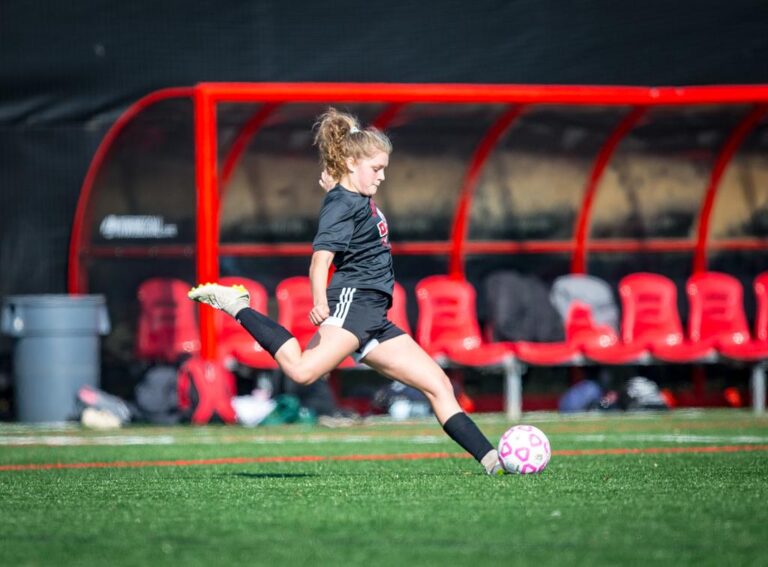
{"x": 447, "y": 314}
{"x": 398, "y": 313}
{"x": 294, "y": 302}
{"x": 761, "y": 320}
{"x": 167, "y": 328}
{"x": 716, "y": 303}
{"x": 649, "y": 310}
{"x": 590, "y": 290}
{"x": 582, "y": 330}
{"x": 227, "y": 328}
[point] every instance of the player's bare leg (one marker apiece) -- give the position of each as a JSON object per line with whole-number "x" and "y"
{"x": 402, "y": 359}
{"x": 326, "y": 350}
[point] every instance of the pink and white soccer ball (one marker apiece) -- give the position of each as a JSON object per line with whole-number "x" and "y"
{"x": 524, "y": 449}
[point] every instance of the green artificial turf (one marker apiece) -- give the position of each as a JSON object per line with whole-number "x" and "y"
{"x": 587, "y": 508}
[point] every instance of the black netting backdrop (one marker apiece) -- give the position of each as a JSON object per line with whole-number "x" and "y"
{"x": 68, "y": 70}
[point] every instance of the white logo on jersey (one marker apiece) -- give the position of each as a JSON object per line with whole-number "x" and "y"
{"x": 382, "y": 224}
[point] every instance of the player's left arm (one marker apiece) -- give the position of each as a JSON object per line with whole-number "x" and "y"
{"x": 318, "y": 276}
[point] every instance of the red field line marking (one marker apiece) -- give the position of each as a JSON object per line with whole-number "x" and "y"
{"x": 661, "y": 450}
{"x": 395, "y": 457}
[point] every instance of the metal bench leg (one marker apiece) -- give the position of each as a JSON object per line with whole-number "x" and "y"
{"x": 758, "y": 387}
{"x": 513, "y": 388}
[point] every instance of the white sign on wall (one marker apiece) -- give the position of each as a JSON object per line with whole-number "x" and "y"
{"x": 136, "y": 226}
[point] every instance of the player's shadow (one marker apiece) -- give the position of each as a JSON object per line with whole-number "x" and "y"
{"x": 272, "y": 475}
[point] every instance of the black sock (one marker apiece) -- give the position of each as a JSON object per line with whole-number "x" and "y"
{"x": 463, "y": 430}
{"x": 267, "y": 333}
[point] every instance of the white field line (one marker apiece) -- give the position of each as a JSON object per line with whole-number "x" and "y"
{"x": 673, "y": 438}
{"x": 114, "y": 440}
{"x": 125, "y": 440}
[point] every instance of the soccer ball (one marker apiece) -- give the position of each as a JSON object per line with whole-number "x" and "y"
{"x": 524, "y": 449}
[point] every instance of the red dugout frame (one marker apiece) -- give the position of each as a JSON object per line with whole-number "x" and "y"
{"x": 206, "y": 97}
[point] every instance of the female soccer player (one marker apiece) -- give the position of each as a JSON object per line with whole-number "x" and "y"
{"x": 351, "y": 310}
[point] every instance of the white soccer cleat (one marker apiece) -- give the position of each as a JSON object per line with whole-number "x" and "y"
{"x": 497, "y": 470}
{"x": 230, "y": 299}
{"x": 492, "y": 464}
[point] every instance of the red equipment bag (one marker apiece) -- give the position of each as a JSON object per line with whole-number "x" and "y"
{"x": 206, "y": 388}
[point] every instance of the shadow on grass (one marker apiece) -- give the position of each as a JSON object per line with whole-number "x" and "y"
{"x": 272, "y": 475}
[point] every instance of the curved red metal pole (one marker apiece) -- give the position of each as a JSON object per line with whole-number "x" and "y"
{"x": 76, "y": 277}
{"x": 207, "y": 211}
{"x": 460, "y": 226}
{"x": 579, "y": 260}
{"x": 721, "y": 163}
{"x": 254, "y": 124}
{"x": 244, "y": 136}
{"x": 386, "y": 116}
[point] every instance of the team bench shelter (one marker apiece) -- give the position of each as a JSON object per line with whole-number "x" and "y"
{"x": 662, "y": 192}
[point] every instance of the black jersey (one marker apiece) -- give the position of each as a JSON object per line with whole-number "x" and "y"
{"x": 352, "y": 226}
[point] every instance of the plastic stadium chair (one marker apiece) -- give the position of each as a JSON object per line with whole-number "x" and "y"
{"x": 728, "y": 305}
{"x": 718, "y": 316}
{"x": 761, "y": 338}
{"x": 716, "y": 310}
{"x": 650, "y": 319}
{"x": 235, "y": 341}
{"x": 398, "y": 313}
{"x": 761, "y": 321}
{"x": 167, "y": 329}
{"x": 581, "y": 332}
{"x": 448, "y": 327}
{"x": 448, "y": 330}
{"x": 294, "y": 302}
{"x": 593, "y": 291}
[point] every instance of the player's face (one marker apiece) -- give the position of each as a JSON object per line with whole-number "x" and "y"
{"x": 368, "y": 173}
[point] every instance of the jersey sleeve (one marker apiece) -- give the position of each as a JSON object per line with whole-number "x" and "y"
{"x": 335, "y": 227}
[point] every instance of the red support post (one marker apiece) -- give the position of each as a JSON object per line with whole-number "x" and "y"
{"x": 207, "y": 210}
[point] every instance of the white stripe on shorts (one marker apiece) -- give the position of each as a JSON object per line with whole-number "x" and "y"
{"x": 342, "y": 307}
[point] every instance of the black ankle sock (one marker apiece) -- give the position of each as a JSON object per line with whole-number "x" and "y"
{"x": 463, "y": 430}
{"x": 267, "y": 333}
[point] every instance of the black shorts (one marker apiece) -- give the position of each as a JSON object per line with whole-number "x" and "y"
{"x": 362, "y": 312}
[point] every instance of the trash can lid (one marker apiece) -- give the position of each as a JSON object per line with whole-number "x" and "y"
{"x": 44, "y": 300}
{"x": 26, "y": 315}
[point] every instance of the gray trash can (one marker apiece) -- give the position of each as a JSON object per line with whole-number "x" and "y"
{"x": 55, "y": 353}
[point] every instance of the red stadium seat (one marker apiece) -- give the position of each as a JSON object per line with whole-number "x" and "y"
{"x": 235, "y": 341}
{"x": 585, "y": 340}
{"x": 294, "y": 302}
{"x": 448, "y": 330}
{"x": 397, "y": 313}
{"x": 448, "y": 327}
{"x": 761, "y": 323}
{"x": 605, "y": 347}
{"x": 581, "y": 333}
{"x": 716, "y": 310}
{"x": 167, "y": 329}
{"x": 720, "y": 315}
{"x": 650, "y": 319}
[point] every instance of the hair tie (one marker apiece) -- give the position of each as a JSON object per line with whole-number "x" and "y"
{"x": 354, "y": 130}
